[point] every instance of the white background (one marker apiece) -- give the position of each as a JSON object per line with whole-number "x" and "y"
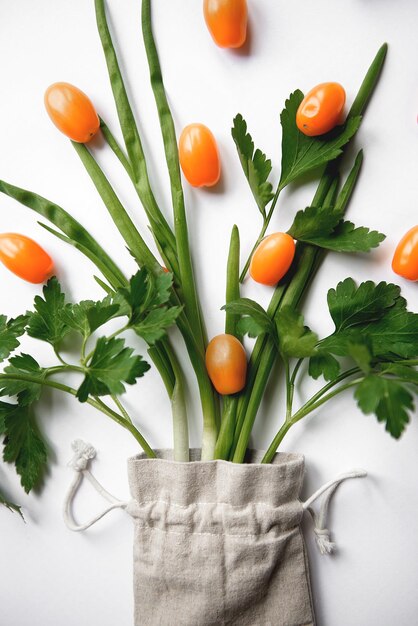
{"x": 51, "y": 576}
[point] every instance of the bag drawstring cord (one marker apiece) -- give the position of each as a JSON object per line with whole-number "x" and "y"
{"x": 83, "y": 454}
{"x": 322, "y": 534}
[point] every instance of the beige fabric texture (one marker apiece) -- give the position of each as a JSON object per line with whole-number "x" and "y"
{"x": 219, "y": 543}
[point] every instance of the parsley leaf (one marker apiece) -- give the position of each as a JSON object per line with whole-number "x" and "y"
{"x": 145, "y": 298}
{"x": 374, "y": 311}
{"x": 255, "y": 320}
{"x": 371, "y": 322}
{"x": 294, "y": 338}
{"x": 360, "y": 351}
{"x": 87, "y": 316}
{"x": 163, "y": 285}
{"x": 407, "y": 373}
{"x": 348, "y": 238}
{"x": 396, "y": 333}
{"x": 26, "y": 392}
{"x": 350, "y": 305}
{"x": 388, "y": 399}
{"x": 9, "y": 332}
{"x": 314, "y": 222}
{"x": 300, "y": 153}
{"x": 111, "y": 365}
{"x": 137, "y": 295}
{"x": 249, "y": 326}
{"x": 323, "y": 227}
{"x": 47, "y": 323}
{"x": 324, "y": 364}
{"x": 256, "y": 166}
{"x": 154, "y": 325}
{"x": 24, "y": 445}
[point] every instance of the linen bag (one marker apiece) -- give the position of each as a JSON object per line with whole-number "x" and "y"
{"x": 216, "y": 543}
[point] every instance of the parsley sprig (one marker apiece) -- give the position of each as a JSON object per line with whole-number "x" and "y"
{"x": 300, "y": 155}
{"x": 374, "y": 333}
{"x": 104, "y": 371}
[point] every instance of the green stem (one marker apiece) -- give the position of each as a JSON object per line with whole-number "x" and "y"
{"x": 137, "y": 169}
{"x": 369, "y": 83}
{"x": 121, "y": 408}
{"x": 305, "y": 267}
{"x": 331, "y": 384}
{"x": 232, "y": 282}
{"x": 289, "y": 394}
{"x": 268, "y": 457}
{"x": 112, "y": 336}
{"x": 303, "y": 412}
{"x": 171, "y": 152}
{"x": 296, "y": 371}
{"x": 59, "y": 357}
{"x": 312, "y": 406}
{"x": 230, "y": 403}
{"x": 226, "y": 433}
{"x": 179, "y": 411}
{"x": 75, "y": 233}
{"x": 160, "y": 354}
{"x": 188, "y": 288}
{"x": 261, "y": 234}
{"x": 261, "y": 354}
{"x": 161, "y": 231}
{"x": 120, "y": 217}
{"x": 115, "y": 147}
{"x": 161, "y": 364}
{"x": 98, "y": 404}
{"x": 316, "y": 401}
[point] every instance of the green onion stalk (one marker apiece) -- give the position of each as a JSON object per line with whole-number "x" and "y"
{"x": 230, "y": 403}
{"x": 186, "y": 278}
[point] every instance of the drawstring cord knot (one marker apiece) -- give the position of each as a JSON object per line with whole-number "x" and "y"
{"x": 323, "y": 539}
{"x": 322, "y": 534}
{"x": 83, "y": 454}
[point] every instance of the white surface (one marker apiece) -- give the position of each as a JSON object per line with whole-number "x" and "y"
{"x": 51, "y": 576}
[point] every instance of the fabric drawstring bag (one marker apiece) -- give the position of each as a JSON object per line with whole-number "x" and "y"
{"x": 215, "y": 542}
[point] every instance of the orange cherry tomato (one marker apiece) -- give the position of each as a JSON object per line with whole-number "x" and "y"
{"x": 226, "y": 21}
{"x": 226, "y": 363}
{"x": 272, "y": 258}
{"x": 199, "y": 156}
{"x": 25, "y": 258}
{"x": 405, "y": 259}
{"x": 321, "y": 109}
{"x": 72, "y": 112}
